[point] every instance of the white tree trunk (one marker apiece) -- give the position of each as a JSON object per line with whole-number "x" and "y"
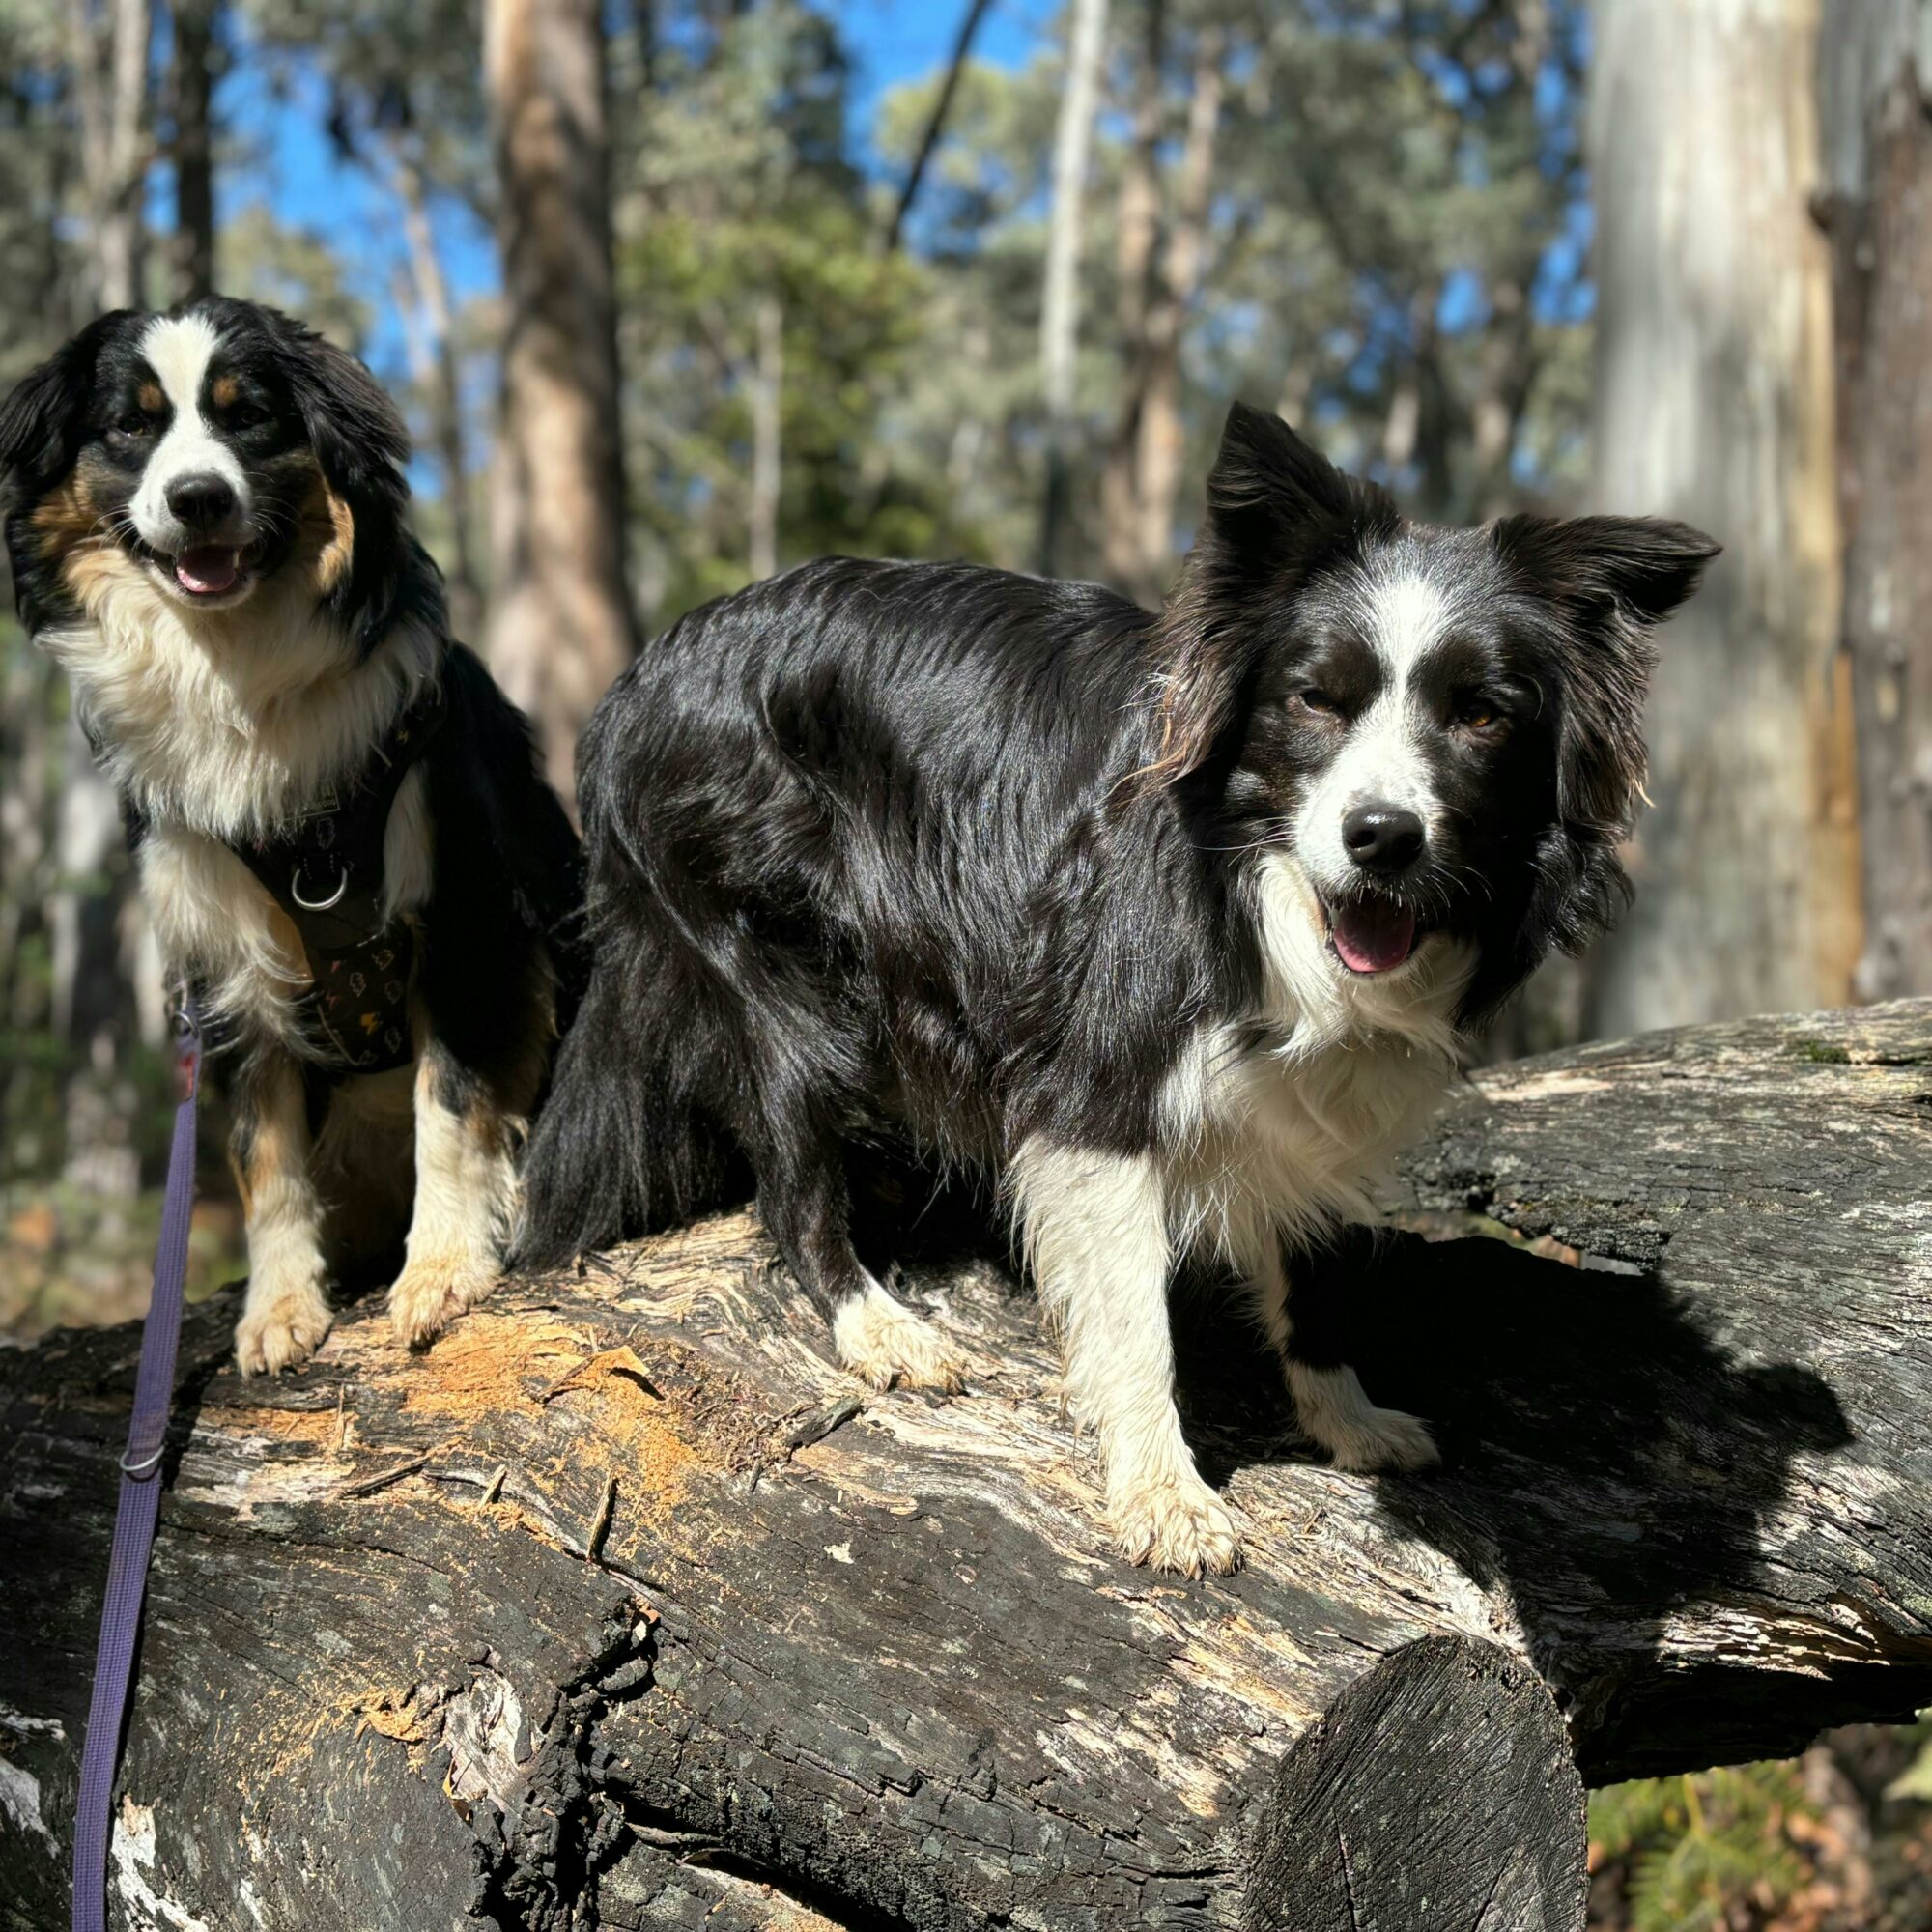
{"x": 561, "y": 624}
{"x": 1060, "y": 303}
{"x": 1714, "y": 403}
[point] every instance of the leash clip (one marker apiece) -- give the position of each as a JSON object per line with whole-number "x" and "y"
{"x": 140, "y": 1472}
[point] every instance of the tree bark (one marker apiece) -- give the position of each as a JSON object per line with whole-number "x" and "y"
{"x": 561, "y": 621}
{"x": 1715, "y": 404}
{"x": 1875, "y": 64}
{"x": 622, "y": 1588}
{"x": 1060, "y": 296}
{"x": 191, "y": 89}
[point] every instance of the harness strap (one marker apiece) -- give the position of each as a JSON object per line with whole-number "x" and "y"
{"x": 325, "y": 870}
{"x": 139, "y": 1502}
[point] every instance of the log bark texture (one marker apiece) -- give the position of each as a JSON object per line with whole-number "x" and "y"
{"x": 621, "y": 1607}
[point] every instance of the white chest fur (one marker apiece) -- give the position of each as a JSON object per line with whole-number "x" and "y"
{"x": 1277, "y": 1127}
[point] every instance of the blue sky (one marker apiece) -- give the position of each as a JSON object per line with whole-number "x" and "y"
{"x": 292, "y": 167}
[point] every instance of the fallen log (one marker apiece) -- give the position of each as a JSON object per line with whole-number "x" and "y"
{"x": 622, "y": 1608}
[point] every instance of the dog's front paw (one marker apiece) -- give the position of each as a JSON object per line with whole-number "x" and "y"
{"x": 883, "y": 1342}
{"x": 1177, "y": 1523}
{"x": 430, "y": 1294}
{"x": 280, "y": 1328}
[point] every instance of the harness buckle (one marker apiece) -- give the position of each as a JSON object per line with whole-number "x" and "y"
{"x": 317, "y": 906}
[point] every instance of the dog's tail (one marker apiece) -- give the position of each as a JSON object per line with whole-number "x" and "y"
{"x": 623, "y": 1146}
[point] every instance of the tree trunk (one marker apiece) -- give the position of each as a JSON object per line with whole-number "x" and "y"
{"x": 1136, "y": 238}
{"x": 95, "y": 931}
{"x": 432, "y": 338}
{"x": 191, "y": 88}
{"x": 767, "y": 437}
{"x": 1875, "y": 66}
{"x": 1715, "y": 404}
{"x": 561, "y": 621}
{"x": 1149, "y": 450}
{"x": 1059, "y": 299}
{"x": 621, "y": 1602}
{"x": 108, "y": 42}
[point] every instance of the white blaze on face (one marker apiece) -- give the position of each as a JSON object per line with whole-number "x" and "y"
{"x": 1381, "y": 760}
{"x": 179, "y": 349}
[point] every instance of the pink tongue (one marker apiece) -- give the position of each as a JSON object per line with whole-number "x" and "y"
{"x": 1372, "y": 936}
{"x": 207, "y": 570}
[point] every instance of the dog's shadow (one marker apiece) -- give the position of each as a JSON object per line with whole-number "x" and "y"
{"x": 1607, "y": 1461}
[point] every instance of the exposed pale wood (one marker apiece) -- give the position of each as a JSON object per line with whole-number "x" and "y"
{"x": 873, "y": 1652}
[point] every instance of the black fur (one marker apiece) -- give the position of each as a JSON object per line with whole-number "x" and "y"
{"x": 941, "y": 854}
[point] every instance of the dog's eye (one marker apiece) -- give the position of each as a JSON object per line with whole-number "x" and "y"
{"x": 246, "y": 415}
{"x": 131, "y": 428}
{"x": 1477, "y": 713}
{"x": 1315, "y": 699}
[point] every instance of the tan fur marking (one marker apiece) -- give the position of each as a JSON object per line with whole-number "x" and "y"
{"x": 150, "y": 398}
{"x": 338, "y": 554}
{"x": 71, "y": 514}
{"x": 464, "y": 1197}
{"x": 223, "y": 390}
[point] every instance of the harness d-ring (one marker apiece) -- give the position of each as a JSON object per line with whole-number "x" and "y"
{"x": 317, "y": 906}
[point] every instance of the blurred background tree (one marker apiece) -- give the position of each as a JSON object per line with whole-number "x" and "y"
{"x": 680, "y": 291}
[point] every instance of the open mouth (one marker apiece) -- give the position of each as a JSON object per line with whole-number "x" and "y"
{"x": 1371, "y": 935}
{"x": 205, "y": 573}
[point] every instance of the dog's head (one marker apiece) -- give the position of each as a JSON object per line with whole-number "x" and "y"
{"x": 207, "y": 453}
{"x": 1441, "y": 728}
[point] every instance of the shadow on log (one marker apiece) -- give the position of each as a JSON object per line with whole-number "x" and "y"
{"x": 622, "y": 1608}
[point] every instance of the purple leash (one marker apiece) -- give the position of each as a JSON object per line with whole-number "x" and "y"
{"x": 140, "y": 1501}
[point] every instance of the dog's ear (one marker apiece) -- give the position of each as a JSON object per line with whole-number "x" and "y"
{"x": 1272, "y": 498}
{"x": 1612, "y": 580}
{"x": 361, "y": 444}
{"x": 1275, "y": 509}
{"x": 41, "y": 422}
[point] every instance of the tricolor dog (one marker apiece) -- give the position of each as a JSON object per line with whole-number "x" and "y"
{"x": 340, "y": 831}
{"x": 1171, "y": 923}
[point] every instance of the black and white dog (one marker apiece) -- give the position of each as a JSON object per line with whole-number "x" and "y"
{"x": 340, "y": 831}
{"x": 1173, "y": 923}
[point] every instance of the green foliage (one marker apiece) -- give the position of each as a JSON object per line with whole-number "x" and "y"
{"x": 1700, "y": 1846}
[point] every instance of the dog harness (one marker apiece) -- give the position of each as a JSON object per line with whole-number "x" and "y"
{"x": 325, "y": 870}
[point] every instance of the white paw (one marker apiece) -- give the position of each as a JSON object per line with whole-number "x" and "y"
{"x": 1177, "y": 1523}
{"x": 1381, "y": 1438}
{"x": 280, "y": 1328}
{"x": 883, "y": 1342}
{"x": 1337, "y": 1416}
{"x": 429, "y": 1295}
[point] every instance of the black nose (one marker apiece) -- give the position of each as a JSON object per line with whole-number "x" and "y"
{"x": 1383, "y": 837}
{"x": 201, "y": 499}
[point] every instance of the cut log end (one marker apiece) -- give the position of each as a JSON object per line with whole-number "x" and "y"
{"x": 1438, "y": 1791}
